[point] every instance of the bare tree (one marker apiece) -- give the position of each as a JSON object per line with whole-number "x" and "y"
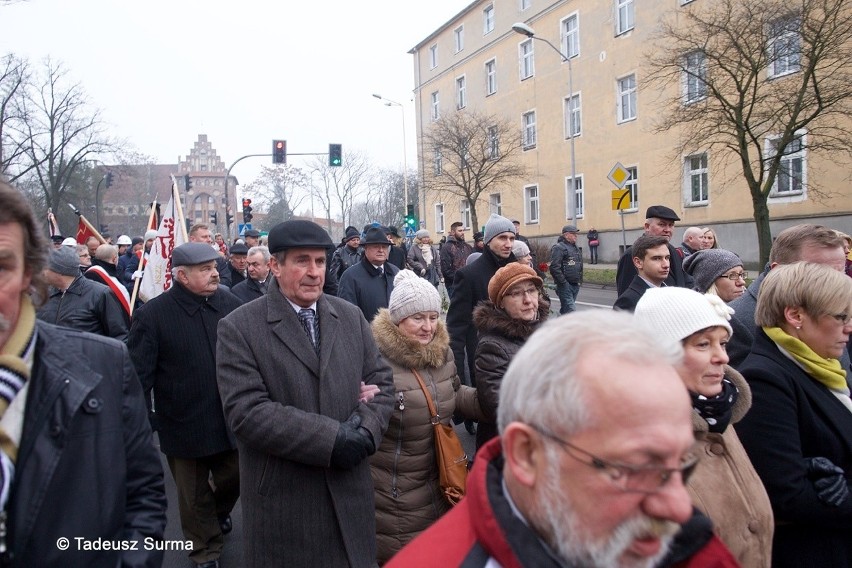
{"x": 13, "y": 83}
{"x": 385, "y": 198}
{"x": 279, "y": 189}
{"x": 340, "y": 187}
{"x": 759, "y": 80}
{"x": 477, "y": 155}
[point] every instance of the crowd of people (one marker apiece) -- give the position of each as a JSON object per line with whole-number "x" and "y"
{"x": 706, "y": 421}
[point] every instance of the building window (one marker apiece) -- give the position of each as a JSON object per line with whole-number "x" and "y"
{"x": 571, "y": 35}
{"x": 488, "y": 19}
{"x": 525, "y": 4}
{"x": 458, "y": 38}
{"x": 493, "y": 143}
{"x": 439, "y": 217}
{"x": 529, "y": 130}
{"x": 439, "y": 163}
{"x": 495, "y": 204}
{"x": 791, "y": 173}
{"x": 531, "y": 211}
{"x": 624, "y": 16}
{"x": 460, "y": 93}
{"x": 527, "y": 60}
{"x": 627, "y": 98}
{"x": 785, "y": 49}
{"x": 434, "y": 114}
{"x": 490, "y": 77}
{"x": 574, "y": 191}
{"x": 573, "y": 116}
{"x": 694, "y": 77}
{"x": 696, "y": 180}
{"x": 633, "y": 185}
{"x": 433, "y": 56}
{"x": 464, "y": 209}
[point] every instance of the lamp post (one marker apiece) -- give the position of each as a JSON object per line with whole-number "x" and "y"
{"x": 389, "y": 102}
{"x": 524, "y": 29}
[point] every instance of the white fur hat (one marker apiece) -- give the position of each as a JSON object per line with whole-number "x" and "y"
{"x": 412, "y": 294}
{"x": 676, "y": 313}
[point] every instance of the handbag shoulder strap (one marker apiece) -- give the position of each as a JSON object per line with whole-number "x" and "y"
{"x": 432, "y": 410}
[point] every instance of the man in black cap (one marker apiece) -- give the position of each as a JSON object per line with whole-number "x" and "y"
{"x": 173, "y": 346}
{"x": 348, "y": 254}
{"x": 369, "y": 283}
{"x": 396, "y": 254}
{"x": 659, "y": 222}
{"x": 566, "y": 267}
{"x": 234, "y": 271}
{"x": 251, "y": 237}
{"x": 309, "y": 398}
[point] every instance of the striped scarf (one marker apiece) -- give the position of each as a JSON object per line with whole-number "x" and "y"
{"x": 16, "y": 361}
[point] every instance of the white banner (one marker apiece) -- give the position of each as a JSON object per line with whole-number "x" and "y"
{"x": 157, "y": 275}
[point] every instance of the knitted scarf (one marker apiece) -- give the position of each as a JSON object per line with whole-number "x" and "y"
{"x": 717, "y": 410}
{"x": 16, "y": 360}
{"x": 829, "y": 372}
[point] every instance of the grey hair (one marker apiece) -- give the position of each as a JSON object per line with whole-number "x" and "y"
{"x": 262, "y": 250}
{"x": 542, "y": 385}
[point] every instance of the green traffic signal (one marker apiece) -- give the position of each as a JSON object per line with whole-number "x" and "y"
{"x": 335, "y": 155}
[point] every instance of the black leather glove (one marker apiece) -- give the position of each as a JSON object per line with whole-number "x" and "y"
{"x": 829, "y": 481}
{"x": 352, "y": 444}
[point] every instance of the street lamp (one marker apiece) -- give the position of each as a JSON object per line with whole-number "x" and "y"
{"x": 389, "y": 102}
{"x": 524, "y": 29}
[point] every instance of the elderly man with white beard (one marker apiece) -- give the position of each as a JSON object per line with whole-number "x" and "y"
{"x": 595, "y": 445}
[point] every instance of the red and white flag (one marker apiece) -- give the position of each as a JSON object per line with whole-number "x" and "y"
{"x": 157, "y": 275}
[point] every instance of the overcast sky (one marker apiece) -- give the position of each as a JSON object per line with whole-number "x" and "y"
{"x": 241, "y": 72}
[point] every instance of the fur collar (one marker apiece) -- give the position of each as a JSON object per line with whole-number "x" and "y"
{"x": 741, "y": 406}
{"x": 406, "y": 352}
{"x": 489, "y": 319}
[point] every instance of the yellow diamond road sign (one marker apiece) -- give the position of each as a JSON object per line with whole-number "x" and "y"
{"x": 618, "y": 175}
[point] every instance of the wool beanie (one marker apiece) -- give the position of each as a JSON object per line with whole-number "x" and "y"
{"x": 675, "y": 313}
{"x": 520, "y": 249}
{"x": 507, "y": 277}
{"x": 65, "y": 261}
{"x": 497, "y": 224}
{"x": 150, "y": 234}
{"x": 351, "y": 233}
{"x": 412, "y": 294}
{"x": 421, "y": 233}
{"x": 705, "y": 266}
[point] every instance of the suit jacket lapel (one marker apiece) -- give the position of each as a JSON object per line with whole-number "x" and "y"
{"x": 328, "y": 325}
{"x": 288, "y": 329}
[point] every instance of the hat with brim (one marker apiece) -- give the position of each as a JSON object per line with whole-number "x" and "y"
{"x": 253, "y": 233}
{"x": 57, "y": 239}
{"x": 375, "y": 236}
{"x": 190, "y": 254}
{"x": 239, "y": 249}
{"x": 661, "y": 212}
{"x": 298, "y": 234}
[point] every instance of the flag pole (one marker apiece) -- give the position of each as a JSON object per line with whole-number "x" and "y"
{"x": 88, "y": 225}
{"x": 137, "y": 281}
{"x": 179, "y": 209}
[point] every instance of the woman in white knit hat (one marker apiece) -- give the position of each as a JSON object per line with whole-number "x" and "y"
{"x": 411, "y": 336}
{"x": 724, "y": 485}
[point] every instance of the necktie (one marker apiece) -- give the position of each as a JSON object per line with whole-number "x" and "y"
{"x": 308, "y": 319}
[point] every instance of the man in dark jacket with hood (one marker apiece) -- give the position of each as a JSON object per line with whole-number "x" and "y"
{"x": 470, "y": 286}
{"x": 369, "y": 283}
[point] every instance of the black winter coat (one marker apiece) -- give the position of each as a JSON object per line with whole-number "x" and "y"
{"x": 249, "y": 289}
{"x": 86, "y": 306}
{"x": 87, "y": 465}
{"x": 470, "y": 286}
{"x": 173, "y": 346}
{"x": 793, "y": 417}
{"x": 364, "y": 286}
{"x": 627, "y": 270}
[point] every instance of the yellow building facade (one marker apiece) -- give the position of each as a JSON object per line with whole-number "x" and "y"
{"x": 476, "y": 62}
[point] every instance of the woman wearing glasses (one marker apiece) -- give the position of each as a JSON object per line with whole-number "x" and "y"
{"x": 725, "y": 485}
{"x": 717, "y": 271}
{"x": 799, "y": 430}
{"x": 515, "y": 307}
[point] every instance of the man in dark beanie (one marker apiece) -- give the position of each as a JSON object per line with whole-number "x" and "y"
{"x": 349, "y": 254}
{"x": 307, "y": 417}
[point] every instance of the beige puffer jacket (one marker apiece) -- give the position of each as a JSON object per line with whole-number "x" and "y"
{"x": 405, "y": 473}
{"x": 726, "y": 487}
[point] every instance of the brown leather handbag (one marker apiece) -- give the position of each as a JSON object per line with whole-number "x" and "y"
{"x": 452, "y": 459}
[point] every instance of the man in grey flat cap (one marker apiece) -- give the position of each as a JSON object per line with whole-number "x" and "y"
{"x": 173, "y": 346}
{"x": 566, "y": 267}
{"x": 309, "y": 398}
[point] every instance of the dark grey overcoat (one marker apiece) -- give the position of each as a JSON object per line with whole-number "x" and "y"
{"x": 285, "y": 404}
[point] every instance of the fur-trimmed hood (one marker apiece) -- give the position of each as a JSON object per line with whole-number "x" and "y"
{"x": 405, "y": 352}
{"x": 490, "y": 319}
{"x": 741, "y": 406}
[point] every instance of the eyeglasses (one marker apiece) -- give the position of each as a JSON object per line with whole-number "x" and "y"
{"x": 734, "y": 276}
{"x": 531, "y": 292}
{"x": 843, "y": 319}
{"x": 85, "y": 255}
{"x": 646, "y": 479}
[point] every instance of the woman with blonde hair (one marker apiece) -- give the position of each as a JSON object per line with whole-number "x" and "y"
{"x": 709, "y": 240}
{"x": 718, "y": 272}
{"x": 798, "y": 433}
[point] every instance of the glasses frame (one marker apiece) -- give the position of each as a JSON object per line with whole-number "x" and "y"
{"x": 734, "y": 276}
{"x": 620, "y": 473}
{"x": 842, "y": 319}
{"x": 523, "y": 293}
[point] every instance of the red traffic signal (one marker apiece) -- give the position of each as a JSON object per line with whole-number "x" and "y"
{"x": 279, "y": 151}
{"x": 246, "y": 202}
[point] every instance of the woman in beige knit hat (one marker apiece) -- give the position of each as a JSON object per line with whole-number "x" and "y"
{"x": 515, "y": 308}
{"x": 411, "y": 337}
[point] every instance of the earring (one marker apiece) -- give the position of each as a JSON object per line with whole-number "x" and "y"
{"x": 798, "y": 327}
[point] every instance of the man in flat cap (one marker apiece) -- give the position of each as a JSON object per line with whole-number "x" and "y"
{"x": 659, "y": 222}
{"x": 234, "y": 271}
{"x": 251, "y": 237}
{"x": 308, "y": 397}
{"x": 173, "y": 346}
{"x": 566, "y": 267}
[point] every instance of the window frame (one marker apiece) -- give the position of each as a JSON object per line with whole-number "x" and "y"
{"x": 625, "y": 16}
{"x": 801, "y": 155}
{"x": 440, "y": 225}
{"x": 461, "y": 92}
{"x": 578, "y": 194}
{"x": 784, "y": 35}
{"x": 532, "y": 204}
{"x": 493, "y": 134}
{"x": 488, "y": 18}
{"x": 690, "y": 174}
{"x": 632, "y": 185}
{"x": 568, "y": 114}
{"x": 569, "y": 38}
{"x": 495, "y": 204}
{"x": 632, "y": 95}
{"x": 694, "y": 77}
{"x": 438, "y": 162}
{"x": 529, "y": 131}
{"x": 491, "y": 76}
{"x": 434, "y": 106}
{"x": 526, "y": 59}
{"x": 465, "y": 212}
{"x": 458, "y": 39}
{"x": 524, "y": 5}
{"x": 433, "y": 56}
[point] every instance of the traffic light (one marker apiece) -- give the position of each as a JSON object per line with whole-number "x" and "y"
{"x": 187, "y": 182}
{"x": 410, "y": 219}
{"x": 335, "y": 155}
{"x": 214, "y": 217}
{"x": 108, "y": 180}
{"x": 229, "y": 219}
{"x": 279, "y": 151}
{"x": 247, "y": 216}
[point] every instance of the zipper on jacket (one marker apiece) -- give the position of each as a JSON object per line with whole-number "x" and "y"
{"x": 398, "y": 451}
{"x": 59, "y": 307}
